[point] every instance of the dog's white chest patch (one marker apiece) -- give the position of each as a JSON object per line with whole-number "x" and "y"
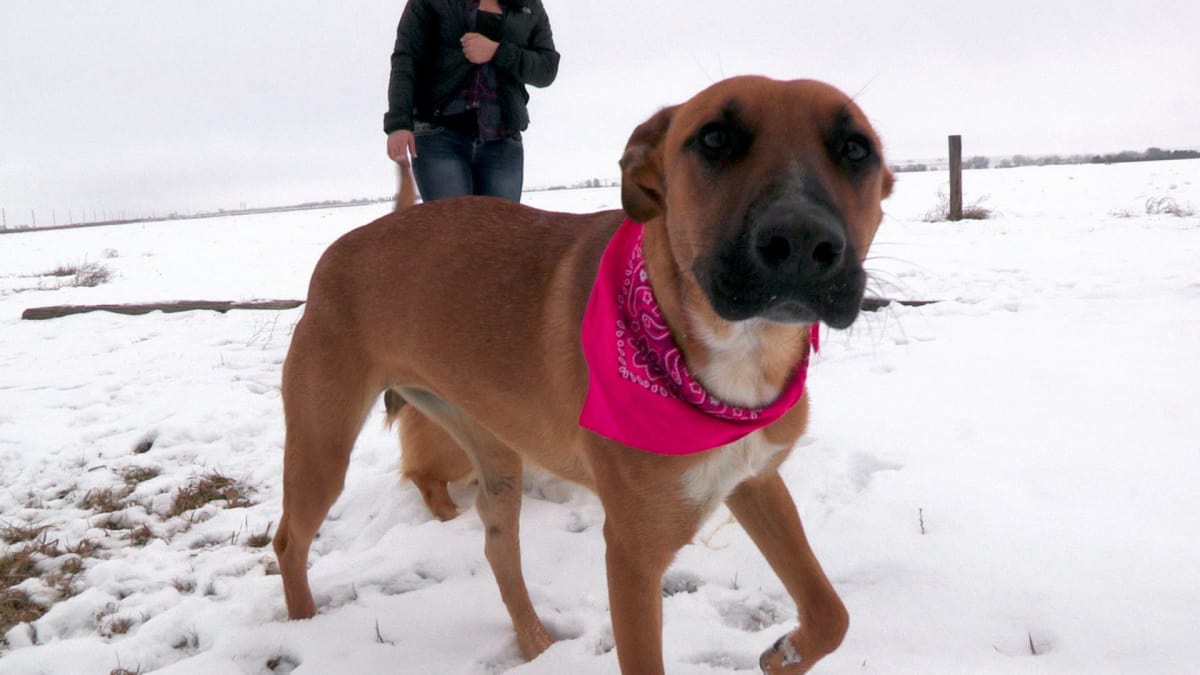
{"x": 723, "y": 469}
{"x": 726, "y": 375}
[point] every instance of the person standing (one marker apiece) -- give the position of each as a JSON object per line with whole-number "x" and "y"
{"x": 457, "y": 93}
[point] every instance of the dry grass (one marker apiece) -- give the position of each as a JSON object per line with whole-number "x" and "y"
{"x": 30, "y": 552}
{"x": 139, "y": 474}
{"x": 108, "y": 500}
{"x": 260, "y": 539}
{"x": 84, "y": 549}
{"x": 16, "y": 534}
{"x": 16, "y": 608}
{"x": 91, "y": 274}
{"x": 63, "y": 580}
{"x": 188, "y": 642}
{"x": 110, "y": 622}
{"x": 140, "y": 536}
{"x": 206, "y": 489}
{"x": 973, "y": 211}
{"x": 21, "y": 563}
{"x": 18, "y": 565}
{"x": 42, "y": 558}
{"x": 1157, "y": 206}
{"x": 1167, "y": 206}
{"x": 85, "y": 274}
{"x": 115, "y": 625}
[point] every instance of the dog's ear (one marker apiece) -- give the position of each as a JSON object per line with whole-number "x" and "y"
{"x": 642, "y": 185}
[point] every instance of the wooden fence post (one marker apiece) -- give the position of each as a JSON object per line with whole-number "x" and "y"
{"x": 956, "y": 177}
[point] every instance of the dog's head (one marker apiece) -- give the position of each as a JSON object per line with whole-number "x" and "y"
{"x": 769, "y": 193}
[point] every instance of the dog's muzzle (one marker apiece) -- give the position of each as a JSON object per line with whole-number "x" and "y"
{"x": 790, "y": 262}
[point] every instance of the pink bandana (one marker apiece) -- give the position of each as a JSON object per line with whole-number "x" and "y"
{"x": 640, "y": 391}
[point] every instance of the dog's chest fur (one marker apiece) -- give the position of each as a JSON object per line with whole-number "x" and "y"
{"x": 734, "y": 371}
{"x": 733, "y": 374}
{"x": 709, "y": 482}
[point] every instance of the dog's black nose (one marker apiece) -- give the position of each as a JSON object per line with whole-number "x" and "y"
{"x": 809, "y": 248}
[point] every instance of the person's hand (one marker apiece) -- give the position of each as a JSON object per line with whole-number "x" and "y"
{"x": 400, "y": 145}
{"x": 478, "y": 49}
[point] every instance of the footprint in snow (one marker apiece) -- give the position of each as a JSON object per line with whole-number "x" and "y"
{"x": 725, "y": 662}
{"x": 283, "y": 664}
{"x": 750, "y": 616}
{"x": 412, "y": 579}
{"x": 675, "y": 582}
{"x": 863, "y": 468}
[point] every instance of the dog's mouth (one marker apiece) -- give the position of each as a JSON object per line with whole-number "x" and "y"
{"x": 762, "y": 277}
{"x": 741, "y": 296}
{"x": 788, "y": 259}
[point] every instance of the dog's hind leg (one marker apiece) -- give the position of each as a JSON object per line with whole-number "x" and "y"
{"x": 499, "y": 507}
{"x": 325, "y": 401}
{"x": 765, "y": 509}
{"x": 499, "y": 470}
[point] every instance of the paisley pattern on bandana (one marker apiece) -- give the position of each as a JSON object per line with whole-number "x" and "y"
{"x": 646, "y": 353}
{"x": 640, "y": 391}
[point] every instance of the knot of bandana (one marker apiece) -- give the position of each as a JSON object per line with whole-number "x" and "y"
{"x": 640, "y": 391}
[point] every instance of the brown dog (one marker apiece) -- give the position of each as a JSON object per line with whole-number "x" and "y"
{"x": 759, "y": 199}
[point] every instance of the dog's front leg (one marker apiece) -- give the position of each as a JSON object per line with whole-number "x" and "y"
{"x": 765, "y": 509}
{"x": 635, "y": 602}
{"x": 644, "y": 527}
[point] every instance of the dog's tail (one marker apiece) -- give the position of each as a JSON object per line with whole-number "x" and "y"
{"x": 393, "y": 403}
{"x": 407, "y": 195}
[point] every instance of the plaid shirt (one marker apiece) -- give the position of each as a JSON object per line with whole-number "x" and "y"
{"x": 480, "y": 93}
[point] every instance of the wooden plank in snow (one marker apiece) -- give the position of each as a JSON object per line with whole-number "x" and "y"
{"x": 56, "y": 311}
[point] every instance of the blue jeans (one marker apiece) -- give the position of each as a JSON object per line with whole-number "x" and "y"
{"x": 453, "y": 164}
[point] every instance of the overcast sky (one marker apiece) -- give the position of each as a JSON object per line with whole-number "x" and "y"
{"x": 133, "y": 106}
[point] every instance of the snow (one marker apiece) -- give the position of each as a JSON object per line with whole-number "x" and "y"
{"x": 1000, "y": 482}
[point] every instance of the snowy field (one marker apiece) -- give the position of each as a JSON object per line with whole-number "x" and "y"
{"x": 1005, "y": 481}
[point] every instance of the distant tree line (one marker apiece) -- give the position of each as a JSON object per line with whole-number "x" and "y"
{"x": 589, "y": 183}
{"x": 980, "y": 162}
{"x": 977, "y": 162}
{"x": 1149, "y": 155}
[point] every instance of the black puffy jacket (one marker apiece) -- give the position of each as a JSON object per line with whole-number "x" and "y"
{"x": 429, "y": 68}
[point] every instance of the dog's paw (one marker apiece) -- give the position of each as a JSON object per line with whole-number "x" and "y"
{"x": 784, "y": 659}
{"x": 534, "y": 641}
{"x": 437, "y": 498}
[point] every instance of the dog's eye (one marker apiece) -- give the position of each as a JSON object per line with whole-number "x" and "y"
{"x": 721, "y": 142}
{"x": 714, "y": 137}
{"x": 856, "y": 149}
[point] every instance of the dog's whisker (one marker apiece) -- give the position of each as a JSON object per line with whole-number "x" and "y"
{"x": 863, "y": 89}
